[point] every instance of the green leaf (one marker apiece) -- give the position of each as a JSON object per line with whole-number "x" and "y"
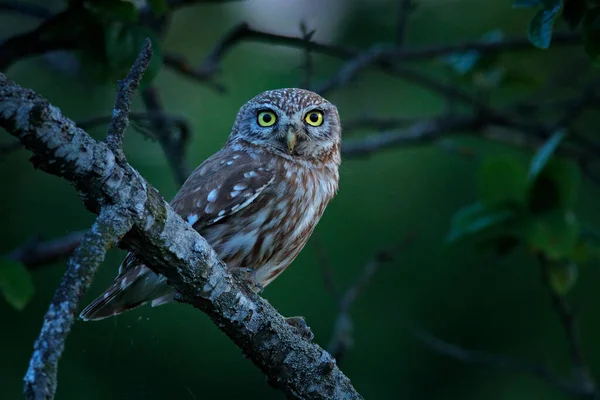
{"x": 562, "y": 276}
{"x": 503, "y": 180}
{"x": 555, "y": 187}
{"x": 16, "y": 284}
{"x": 123, "y": 43}
{"x": 542, "y": 23}
{"x": 107, "y": 11}
{"x": 465, "y": 62}
{"x": 544, "y": 153}
{"x": 591, "y": 34}
{"x": 475, "y": 219}
{"x": 555, "y": 234}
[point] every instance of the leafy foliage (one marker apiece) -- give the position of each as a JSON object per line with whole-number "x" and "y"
{"x": 487, "y": 71}
{"x": 532, "y": 207}
{"x": 16, "y": 284}
{"x": 574, "y": 13}
{"x": 108, "y": 37}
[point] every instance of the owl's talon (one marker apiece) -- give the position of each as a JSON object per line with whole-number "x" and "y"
{"x": 301, "y": 327}
{"x": 248, "y": 275}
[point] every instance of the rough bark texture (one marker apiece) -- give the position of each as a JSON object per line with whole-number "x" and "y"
{"x": 40, "y": 380}
{"x": 297, "y": 366}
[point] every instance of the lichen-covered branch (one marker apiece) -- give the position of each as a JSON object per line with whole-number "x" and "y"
{"x": 297, "y": 366}
{"x": 40, "y": 381}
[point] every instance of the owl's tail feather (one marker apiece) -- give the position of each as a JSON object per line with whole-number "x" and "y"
{"x": 130, "y": 289}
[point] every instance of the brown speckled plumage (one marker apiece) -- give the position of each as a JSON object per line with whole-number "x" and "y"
{"x": 255, "y": 201}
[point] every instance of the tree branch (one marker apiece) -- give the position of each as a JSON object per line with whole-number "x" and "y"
{"x": 173, "y": 143}
{"x": 581, "y": 373}
{"x": 538, "y": 370}
{"x": 298, "y": 367}
{"x": 40, "y": 381}
{"x": 34, "y": 253}
{"x": 404, "y": 9}
{"x": 126, "y": 87}
{"x": 31, "y": 10}
{"x": 341, "y": 339}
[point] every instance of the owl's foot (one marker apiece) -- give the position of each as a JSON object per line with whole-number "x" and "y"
{"x": 248, "y": 275}
{"x": 301, "y": 327}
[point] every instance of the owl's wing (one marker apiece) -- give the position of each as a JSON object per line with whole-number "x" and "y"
{"x": 221, "y": 186}
{"x": 224, "y": 184}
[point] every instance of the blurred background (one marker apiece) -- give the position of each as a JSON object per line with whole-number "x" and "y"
{"x": 458, "y": 290}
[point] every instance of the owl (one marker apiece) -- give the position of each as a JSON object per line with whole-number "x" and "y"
{"x": 256, "y": 201}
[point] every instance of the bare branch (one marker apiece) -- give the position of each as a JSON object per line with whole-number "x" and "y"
{"x": 174, "y": 143}
{"x": 32, "y": 10}
{"x": 375, "y": 123}
{"x": 581, "y": 374}
{"x": 180, "y": 123}
{"x": 40, "y": 381}
{"x": 404, "y": 9}
{"x": 35, "y": 42}
{"x": 171, "y": 247}
{"x": 538, "y": 370}
{"x": 341, "y": 339}
{"x": 421, "y": 132}
{"x": 35, "y": 253}
{"x": 180, "y": 64}
{"x": 126, "y": 88}
{"x": 308, "y": 62}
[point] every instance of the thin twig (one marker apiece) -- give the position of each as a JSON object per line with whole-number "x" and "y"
{"x": 36, "y": 253}
{"x": 173, "y": 142}
{"x": 40, "y": 381}
{"x": 538, "y": 370}
{"x": 581, "y": 374}
{"x": 180, "y": 64}
{"x": 126, "y": 88}
{"x": 421, "y": 132}
{"x": 341, "y": 339}
{"x": 180, "y": 122}
{"x": 372, "y": 122}
{"x": 404, "y": 9}
{"x": 32, "y": 10}
{"x": 307, "y": 66}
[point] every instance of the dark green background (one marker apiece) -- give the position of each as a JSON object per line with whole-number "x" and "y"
{"x": 476, "y": 301}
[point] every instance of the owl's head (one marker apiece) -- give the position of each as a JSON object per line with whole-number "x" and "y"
{"x": 293, "y": 123}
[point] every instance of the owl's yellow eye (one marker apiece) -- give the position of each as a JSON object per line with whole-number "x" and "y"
{"x": 266, "y": 118}
{"x": 314, "y": 118}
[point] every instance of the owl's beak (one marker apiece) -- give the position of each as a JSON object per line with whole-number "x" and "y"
{"x": 290, "y": 138}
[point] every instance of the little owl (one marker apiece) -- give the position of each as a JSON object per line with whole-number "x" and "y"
{"x": 256, "y": 201}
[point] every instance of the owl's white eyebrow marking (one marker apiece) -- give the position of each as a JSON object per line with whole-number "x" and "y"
{"x": 192, "y": 219}
{"x": 249, "y": 174}
{"x": 240, "y": 186}
{"x": 212, "y": 196}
